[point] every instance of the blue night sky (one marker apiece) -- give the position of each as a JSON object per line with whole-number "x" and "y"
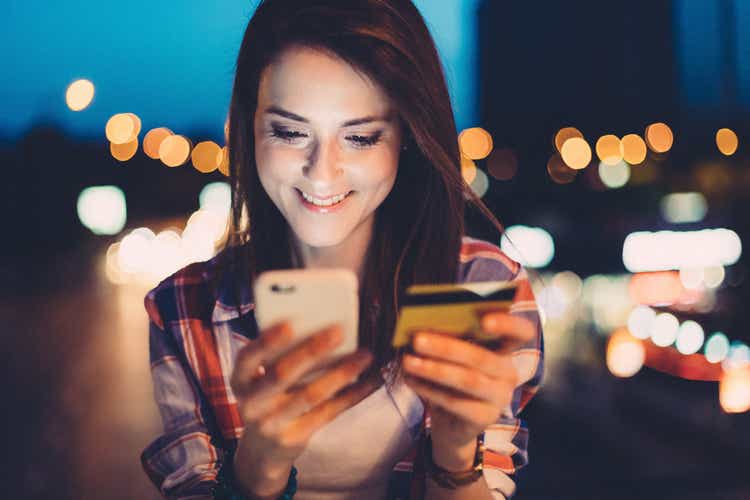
{"x": 170, "y": 63}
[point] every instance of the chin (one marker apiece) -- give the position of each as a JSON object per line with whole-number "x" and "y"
{"x": 319, "y": 239}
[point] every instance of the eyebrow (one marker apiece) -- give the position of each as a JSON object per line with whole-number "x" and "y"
{"x": 276, "y": 110}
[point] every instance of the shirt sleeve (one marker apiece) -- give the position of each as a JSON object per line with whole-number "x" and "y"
{"x": 183, "y": 461}
{"x": 506, "y": 441}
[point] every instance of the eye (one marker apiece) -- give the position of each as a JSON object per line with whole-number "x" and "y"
{"x": 286, "y": 135}
{"x": 365, "y": 141}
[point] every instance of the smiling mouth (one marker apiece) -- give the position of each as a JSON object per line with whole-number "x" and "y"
{"x": 324, "y": 202}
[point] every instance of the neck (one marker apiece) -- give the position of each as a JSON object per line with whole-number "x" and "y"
{"x": 349, "y": 254}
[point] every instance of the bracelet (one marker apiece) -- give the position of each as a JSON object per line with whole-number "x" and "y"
{"x": 452, "y": 480}
{"x": 226, "y": 487}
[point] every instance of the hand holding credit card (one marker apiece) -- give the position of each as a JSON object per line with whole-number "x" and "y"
{"x": 453, "y": 309}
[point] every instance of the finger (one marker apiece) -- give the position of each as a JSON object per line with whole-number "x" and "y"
{"x": 468, "y": 409}
{"x": 466, "y": 381}
{"x": 448, "y": 348}
{"x": 514, "y": 330}
{"x": 292, "y": 366}
{"x": 293, "y": 404}
{"x": 302, "y": 428}
{"x": 272, "y": 342}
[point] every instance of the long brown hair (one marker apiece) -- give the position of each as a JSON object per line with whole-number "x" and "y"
{"x": 418, "y": 228}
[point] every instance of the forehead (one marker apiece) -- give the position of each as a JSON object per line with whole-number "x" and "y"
{"x": 319, "y": 86}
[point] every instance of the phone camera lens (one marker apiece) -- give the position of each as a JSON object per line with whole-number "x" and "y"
{"x": 282, "y": 288}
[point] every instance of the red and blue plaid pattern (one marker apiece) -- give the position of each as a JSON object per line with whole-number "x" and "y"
{"x": 195, "y": 336}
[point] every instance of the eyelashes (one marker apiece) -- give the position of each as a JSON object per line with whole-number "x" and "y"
{"x": 292, "y": 136}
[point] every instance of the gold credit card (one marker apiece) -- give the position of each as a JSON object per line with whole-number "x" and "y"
{"x": 453, "y": 309}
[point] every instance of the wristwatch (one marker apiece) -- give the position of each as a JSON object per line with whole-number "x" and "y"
{"x": 452, "y": 480}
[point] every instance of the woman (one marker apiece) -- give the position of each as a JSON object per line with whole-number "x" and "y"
{"x": 343, "y": 154}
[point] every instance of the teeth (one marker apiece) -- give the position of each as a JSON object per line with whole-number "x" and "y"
{"x": 323, "y": 203}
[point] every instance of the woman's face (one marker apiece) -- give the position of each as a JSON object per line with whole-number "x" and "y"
{"x": 327, "y": 145}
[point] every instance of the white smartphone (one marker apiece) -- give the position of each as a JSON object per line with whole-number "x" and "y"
{"x": 310, "y": 299}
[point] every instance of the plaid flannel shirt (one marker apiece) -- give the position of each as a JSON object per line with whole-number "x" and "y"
{"x": 194, "y": 337}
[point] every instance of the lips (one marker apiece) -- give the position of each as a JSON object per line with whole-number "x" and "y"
{"x": 322, "y": 205}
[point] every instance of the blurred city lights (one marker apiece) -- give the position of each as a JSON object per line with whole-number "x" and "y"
{"x": 532, "y": 246}
{"x": 123, "y": 152}
{"x": 79, "y": 94}
{"x": 717, "y": 347}
{"x": 174, "y": 150}
{"x": 559, "y": 172}
{"x": 102, "y": 209}
{"x": 122, "y": 128}
{"x": 609, "y": 149}
{"x": 641, "y": 322}
{"x": 737, "y": 357}
{"x": 633, "y": 149}
{"x": 734, "y": 390}
{"x": 552, "y": 300}
{"x": 475, "y": 143}
{"x": 683, "y": 207}
{"x": 564, "y": 134}
{"x": 727, "y": 141}
{"x": 713, "y": 276}
{"x": 659, "y": 137}
{"x": 206, "y": 157}
{"x": 217, "y": 197}
{"x": 468, "y": 169}
{"x": 690, "y": 337}
{"x": 664, "y": 250}
{"x": 576, "y": 153}
{"x": 614, "y": 175}
{"x": 152, "y": 141}
{"x": 480, "y": 184}
{"x": 655, "y": 288}
{"x": 692, "y": 279}
{"x": 625, "y": 354}
{"x": 664, "y": 329}
{"x": 502, "y": 164}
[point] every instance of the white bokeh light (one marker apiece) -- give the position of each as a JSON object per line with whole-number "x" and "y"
{"x": 102, "y": 209}
{"x": 664, "y": 329}
{"x": 641, "y": 322}
{"x": 717, "y": 347}
{"x": 531, "y": 246}
{"x": 690, "y": 337}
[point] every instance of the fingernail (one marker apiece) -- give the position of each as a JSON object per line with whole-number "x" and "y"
{"x": 422, "y": 341}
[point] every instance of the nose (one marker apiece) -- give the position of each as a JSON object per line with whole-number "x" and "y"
{"x": 323, "y": 165}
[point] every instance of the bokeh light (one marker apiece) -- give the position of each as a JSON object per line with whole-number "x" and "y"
{"x": 659, "y": 137}
{"x": 79, "y": 94}
{"x": 468, "y": 169}
{"x": 475, "y": 143}
{"x": 727, "y": 141}
{"x": 734, "y": 390}
{"x": 205, "y": 156}
{"x": 576, "y": 153}
{"x": 174, "y": 150}
{"x": 217, "y": 197}
{"x": 480, "y": 184}
{"x": 564, "y": 134}
{"x": 690, "y": 337}
{"x": 680, "y": 208}
{"x": 714, "y": 276}
{"x": 614, "y": 175}
{"x": 608, "y": 149}
{"x": 717, "y": 347}
{"x": 153, "y": 139}
{"x": 737, "y": 357}
{"x": 559, "y": 172}
{"x": 502, "y": 164}
{"x": 625, "y": 354}
{"x": 633, "y": 149}
{"x": 664, "y": 329}
{"x": 692, "y": 279}
{"x": 123, "y": 152}
{"x": 122, "y": 128}
{"x": 641, "y": 322}
{"x": 102, "y": 209}
{"x": 664, "y": 250}
{"x": 531, "y": 246}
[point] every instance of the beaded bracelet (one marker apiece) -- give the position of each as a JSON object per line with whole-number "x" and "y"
{"x": 226, "y": 488}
